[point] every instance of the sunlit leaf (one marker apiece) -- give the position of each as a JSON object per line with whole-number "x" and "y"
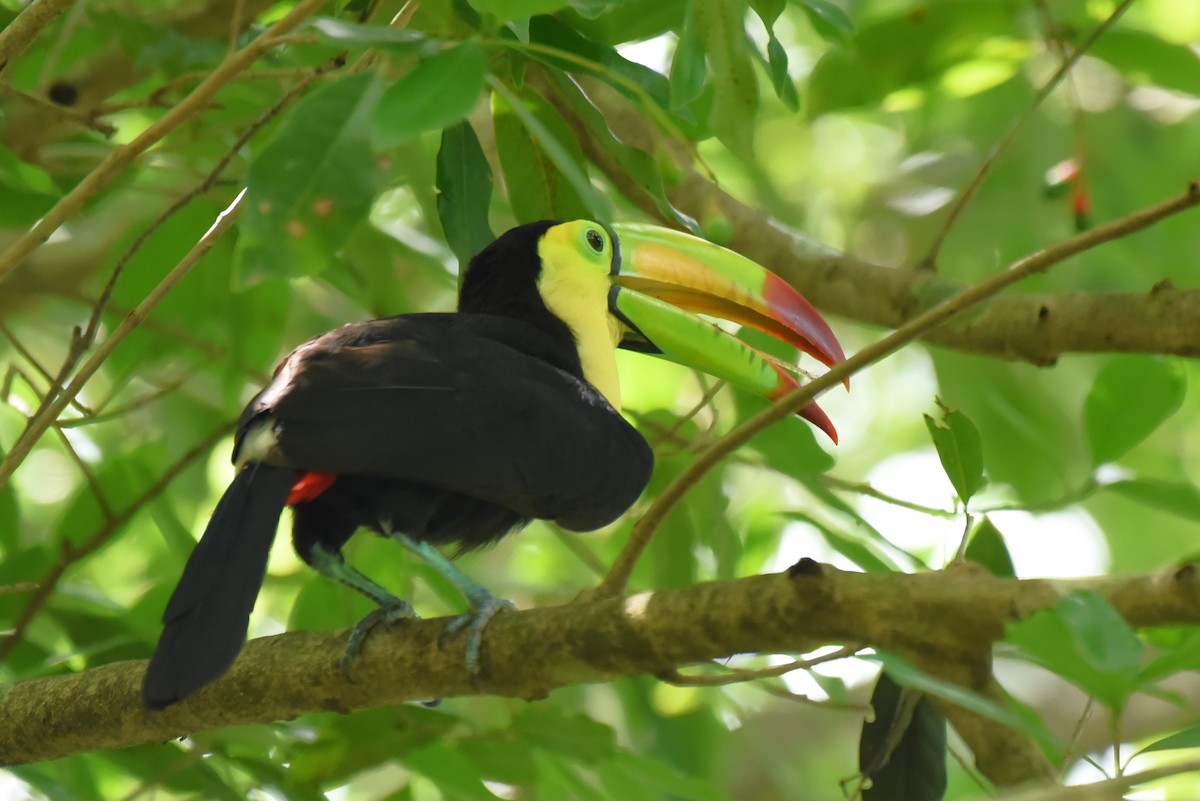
{"x": 1175, "y": 497}
{"x": 397, "y": 41}
{"x": 1129, "y": 399}
{"x": 720, "y": 25}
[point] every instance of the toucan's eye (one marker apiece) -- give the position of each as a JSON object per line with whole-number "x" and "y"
{"x": 595, "y": 240}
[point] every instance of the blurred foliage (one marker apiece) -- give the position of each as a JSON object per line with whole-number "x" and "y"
{"x": 853, "y": 122}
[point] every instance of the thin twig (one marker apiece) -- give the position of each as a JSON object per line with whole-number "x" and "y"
{"x": 741, "y": 676}
{"x": 40, "y": 422}
{"x": 1000, "y": 147}
{"x": 20, "y": 33}
{"x": 80, "y": 341}
{"x": 13, "y": 589}
{"x": 88, "y": 476}
{"x": 868, "y": 491}
{"x": 122, "y": 157}
{"x": 643, "y": 531}
{"x": 73, "y": 553}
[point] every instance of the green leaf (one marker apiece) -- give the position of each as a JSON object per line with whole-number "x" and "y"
{"x": 577, "y": 736}
{"x": 638, "y": 164}
{"x": 720, "y": 25}
{"x": 987, "y": 548}
{"x": 439, "y": 92}
{"x": 1130, "y": 398}
{"x": 777, "y": 66}
{"x": 456, "y": 778}
{"x": 1085, "y": 641}
{"x": 1188, "y": 738}
{"x": 687, "y": 66}
{"x": 542, "y": 169}
{"x": 959, "y": 449}
{"x": 1173, "y": 654}
{"x": 853, "y": 549}
{"x": 898, "y": 51}
{"x": 311, "y": 185}
{"x": 906, "y": 675}
{"x": 903, "y": 747}
{"x": 464, "y": 183}
{"x": 828, "y": 20}
{"x": 631, "y": 79}
{"x": 396, "y": 41}
{"x": 517, "y": 9}
{"x": 1146, "y": 57}
{"x": 1177, "y": 498}
{"x": 25, "y": 177}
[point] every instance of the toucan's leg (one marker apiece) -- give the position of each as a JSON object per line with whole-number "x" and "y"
{"x": 331, "y": 564}
{"x": 483, "y": 604}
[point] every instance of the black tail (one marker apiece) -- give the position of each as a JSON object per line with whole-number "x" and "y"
{"x": 204, "y": 625}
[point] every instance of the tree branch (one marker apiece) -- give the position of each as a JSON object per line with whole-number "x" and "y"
{"x": 942, "y": 621}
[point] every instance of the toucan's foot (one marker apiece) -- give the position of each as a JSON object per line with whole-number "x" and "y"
{"x": 390, "y": 611}
{"x": 484, "y": 607}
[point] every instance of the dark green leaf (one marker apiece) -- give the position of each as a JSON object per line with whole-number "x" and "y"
{"x": 664, "y": 780}
{"x": 777, "y": 65}
{"x": 687, "y": 66}
{"x": 576, "y": 736}
{"x": 903, "y": 748}
{"x": 394, "y": 40}
{"x": 1173, "y": 654}
{"x": 1130, "y": 398}
{"x": 542, "y": 163}
{"x": 959, "y": 449}
{"x": 628, "y": 77}
{"x": 987, "y": 548}
{"x": 464, "y": 183}
{"x": 439, "y": 92}
{"x": 1085, "y": 641}
{"x": 312, "y": 184}
{"x": 1177, "y": 498}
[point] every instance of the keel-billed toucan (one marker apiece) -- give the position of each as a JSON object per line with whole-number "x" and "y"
{"x": 460, "y": 427}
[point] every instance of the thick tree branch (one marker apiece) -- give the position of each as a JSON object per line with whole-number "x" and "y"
{"x": 1037, "y": 328}
{"x": 945, "y": 622}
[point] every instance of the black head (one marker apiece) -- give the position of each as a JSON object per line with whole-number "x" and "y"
{"x": 503, "y": 279}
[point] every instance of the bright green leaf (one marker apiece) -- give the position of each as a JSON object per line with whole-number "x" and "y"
{"x": 438, "y": 93}
{"x": 828, "y": 20}
{"x": 959, "y": 449}
{"x": 518, "y": 9}
{"x": 688, "y": 69}
{"x": 1130, "y": 398}
{"x": 1145, "y": 57}
{"x": 450, "y": 771}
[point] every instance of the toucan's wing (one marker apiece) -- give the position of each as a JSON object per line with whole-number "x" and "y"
{"x": 447, "y": 401}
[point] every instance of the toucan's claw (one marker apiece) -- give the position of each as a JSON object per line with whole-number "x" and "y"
{"x": 484, "y": 606}
{"x": 389, "y": 612}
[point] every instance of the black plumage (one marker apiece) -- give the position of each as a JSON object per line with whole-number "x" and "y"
{"x": 451, "y": 428}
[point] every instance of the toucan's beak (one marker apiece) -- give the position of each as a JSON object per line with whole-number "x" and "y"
{"x": 658, "y": 273}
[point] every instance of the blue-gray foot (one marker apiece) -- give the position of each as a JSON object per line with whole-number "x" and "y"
{"x": 388, "y": 612}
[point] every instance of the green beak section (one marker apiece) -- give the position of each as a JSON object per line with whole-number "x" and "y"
{"x": 661, "y": 278}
